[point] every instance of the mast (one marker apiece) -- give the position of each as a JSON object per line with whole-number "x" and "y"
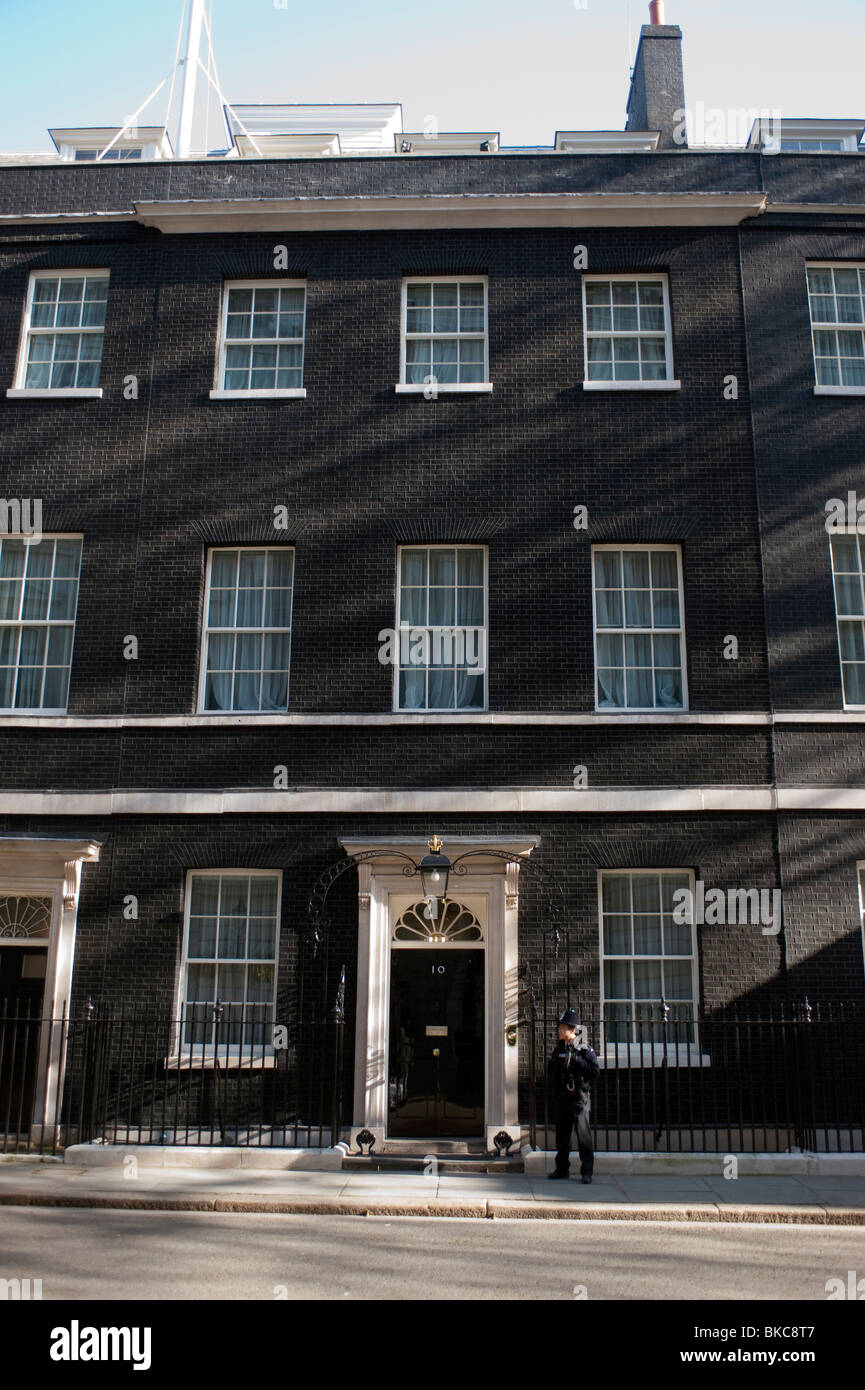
{"x": 190, "y": 73}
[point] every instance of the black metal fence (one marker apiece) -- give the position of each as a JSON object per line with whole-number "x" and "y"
{"x": 790, "y": 1077}
{"x": 217, "y": 1077}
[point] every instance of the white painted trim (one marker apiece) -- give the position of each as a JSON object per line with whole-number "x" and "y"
{"x": 218, "y": 392}
{"x": 415, "y": 388}
{"x": 632, "y": 385}
{"x": 19, "y": 391}
{"x": 62, "y": 393}
{"x": 50, "y": 868}
{"x": 626, "y": 1052}
{"x": 453, "y": 210}
{"x": 632, "y": 1055}
{"x": 294, "y": 393}
{"x": 404, "y": 718}
{"x": 679, "y": 632}
{"x": 860, "y": 879}
{"x": 486, "y": 626}
{"x": 378, "y": 883}
{"x": 842, "y": 617}
{"x": 819, "y": 209}
{"x": 195, "y": 1056}
{"x": 466, "y": 388}
{"x": 433, "y": 801}
{"x": 206, "y": 630}
{"x": 428, "y": 801}
{"x": 669, "y": 383}
{"x": 839, "y": 390}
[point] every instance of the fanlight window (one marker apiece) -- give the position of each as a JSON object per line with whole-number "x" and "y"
{"x": 452, "y": 922}
{"x": 24, "y": 917}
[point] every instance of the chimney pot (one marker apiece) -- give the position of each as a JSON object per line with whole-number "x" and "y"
{"x": 656, "y": 12}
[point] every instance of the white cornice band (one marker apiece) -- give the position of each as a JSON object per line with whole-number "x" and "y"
{"x": 399, "y": 718}
{"x": 438, "y": 800}
{"x": 453, "y": 210}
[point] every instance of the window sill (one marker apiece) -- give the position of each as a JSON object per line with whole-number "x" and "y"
{"x": 641, "y": 709}
{"x": 197, "y": 1061}
{"x": 293, "y": 393}
{"x": 441, "y": 388}
{"x": 32, "y": 393}
{"x": 632, "y": 385}
{"x": 839, "y": 390}
{"x": 419, "y": 712}
{"x": 5, "y": 712}
{"x": 631, "y": 1055}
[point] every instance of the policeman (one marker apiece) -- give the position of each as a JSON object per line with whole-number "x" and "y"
{"x": 572, "y": 1070}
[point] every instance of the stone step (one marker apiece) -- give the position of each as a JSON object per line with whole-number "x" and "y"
{"x": 419, "y": 1163}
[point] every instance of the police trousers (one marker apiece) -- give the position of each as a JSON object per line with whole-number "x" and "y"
{"x": 574, "y": 1115}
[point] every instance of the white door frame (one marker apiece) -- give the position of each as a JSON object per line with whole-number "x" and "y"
{"x": 380, "y": 878}
{"x": 36, "y": 867}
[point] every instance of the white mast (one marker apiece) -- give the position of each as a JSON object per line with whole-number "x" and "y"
{"x": 191, "y": 60}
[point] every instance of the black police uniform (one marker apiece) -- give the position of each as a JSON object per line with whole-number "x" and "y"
{"x": 572, "y": 1070}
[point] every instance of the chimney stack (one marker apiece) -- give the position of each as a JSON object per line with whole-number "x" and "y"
{"x": 658, "y": 83}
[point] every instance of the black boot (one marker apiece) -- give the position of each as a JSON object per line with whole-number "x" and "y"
{"x": 558, "y": 1174}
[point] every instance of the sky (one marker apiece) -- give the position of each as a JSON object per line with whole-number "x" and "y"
{"x": 525, "y": 68}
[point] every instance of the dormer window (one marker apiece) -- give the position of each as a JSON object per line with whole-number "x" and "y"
{"x": 111, "y": 144}
{"x": 777, "y": 135}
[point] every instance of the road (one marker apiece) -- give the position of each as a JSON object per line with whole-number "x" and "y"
{"x": 86, "y": 1254}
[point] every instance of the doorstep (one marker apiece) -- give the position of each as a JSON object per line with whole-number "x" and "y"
{"x": 200, "y": 1156}
{"x": 531, "y": 1162}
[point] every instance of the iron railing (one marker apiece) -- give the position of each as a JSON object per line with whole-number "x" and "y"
{"x": 787, "y": 1077}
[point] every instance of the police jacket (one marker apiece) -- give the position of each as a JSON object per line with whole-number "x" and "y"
{"x": 572, "y": 1070}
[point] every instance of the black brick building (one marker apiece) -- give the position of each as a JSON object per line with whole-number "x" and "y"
{"x": 630, "y": 330}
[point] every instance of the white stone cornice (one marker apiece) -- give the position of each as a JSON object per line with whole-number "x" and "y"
{"x": 452, "y": 210}
{"x": 434, "y": 801}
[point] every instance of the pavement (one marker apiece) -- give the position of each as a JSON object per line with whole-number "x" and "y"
{"x": 807, "y": 1200}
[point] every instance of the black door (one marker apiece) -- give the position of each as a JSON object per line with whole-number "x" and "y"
{"x": 436, "y": 1074}
{"x": 22, "y": 985}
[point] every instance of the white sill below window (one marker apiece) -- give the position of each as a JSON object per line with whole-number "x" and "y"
{"x": 196, "y": 1060}
{"x": 440, "y": 388}
{"x": 33, "y": 393}
{"x": 632, "y": 385}
{"x": 290, "y": 393}
{"x": 839, "y": 390}
{"x": 633, "y": 1055}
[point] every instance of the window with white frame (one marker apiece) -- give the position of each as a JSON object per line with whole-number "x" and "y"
{"x": 444, "y": 332}
{"x": 441, "y": 627}
{"x": 639, "y": 627}
{"x": 64, "y": 322}
{"x": 822, "y": 146}
{"x": 116, "y": 152}
{"x": 38, "y": 599}
{"x": 836, "y": 297}
{"x": 648, "y": 956}
{"x": 230, "y": 940}
{"x": 861, "y": 867}
{"x": 848, "y": 570}
{"x": 626, "y": 327}
{"x": 247, "y": 637}
{"x": 261, "y": 343}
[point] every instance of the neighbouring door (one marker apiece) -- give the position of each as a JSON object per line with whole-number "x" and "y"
{"x": 436, "y": 1071}
{"x": 22, "y": 986}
